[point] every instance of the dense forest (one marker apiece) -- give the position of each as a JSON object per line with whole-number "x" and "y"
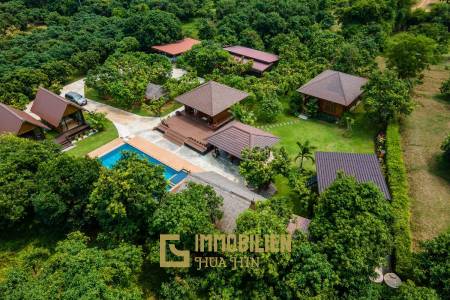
{"x": 108, "y": 221}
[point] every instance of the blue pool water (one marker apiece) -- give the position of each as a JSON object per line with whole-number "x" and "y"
{"x": 110, "y": 159}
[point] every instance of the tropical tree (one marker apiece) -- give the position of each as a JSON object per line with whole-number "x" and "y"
{"x": 76, "y": 271}
{"x": 153, "y": 27}
{"x": 409, "y": 55}
{"x": 65, "y": 184}
{"x": 123, "y": 78}
{"x": 20, "y": 159}
{"x": 432, "y": 264}
{"x": 305, "y": 151}
{"x": 124, "y": 198}
{"x": 352, "y": 226}
{"x": 386, "y": 97}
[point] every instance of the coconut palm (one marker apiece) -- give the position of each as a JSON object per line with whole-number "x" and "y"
{"x": 306, "y": 151}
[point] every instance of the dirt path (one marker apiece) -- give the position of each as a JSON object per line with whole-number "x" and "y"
{"x": 423, "y": 4}
{"x": 423, "y": 133}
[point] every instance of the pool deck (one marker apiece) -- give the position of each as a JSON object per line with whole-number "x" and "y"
{"x": 164, "y": 156}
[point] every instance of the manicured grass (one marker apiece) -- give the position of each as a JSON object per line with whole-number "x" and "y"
{"x": 422, "y": 134}
{"x": 93, "y": 142}
{"x": 323, "y": 135}
{"x": 167, "y": 108}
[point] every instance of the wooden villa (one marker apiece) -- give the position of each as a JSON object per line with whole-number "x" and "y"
{"x": 60, "y": 114}
{"x": 175, "y": 49}
{"x": 206, "y": 109}
{"x": 262, "y": 61}
{"x": 20, "y": 123}
{"x": 234, "y": 137}
{"x": 336, "y": 92}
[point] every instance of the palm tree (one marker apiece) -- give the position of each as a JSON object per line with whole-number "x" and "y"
{"x": 306, "y": 151}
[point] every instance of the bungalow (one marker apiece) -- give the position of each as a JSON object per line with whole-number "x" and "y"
{"x": 177, "y": 48}
{"x": 20, "y": 123}
{"x": 206, "y": 109}
{"x": 236, "y": 136}
{"x": 236, "y": 198}
{"x": 364, "y": 167}
{"x": 60, "y": 114}
{"x": 262, "y": 61}
{"x": 335, "y": 91}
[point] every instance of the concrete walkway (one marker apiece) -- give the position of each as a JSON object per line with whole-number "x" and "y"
{"x": 130, "y": 125}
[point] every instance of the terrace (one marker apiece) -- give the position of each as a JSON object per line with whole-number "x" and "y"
{"x": 206, "y": 110}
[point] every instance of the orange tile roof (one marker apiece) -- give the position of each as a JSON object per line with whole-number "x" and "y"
{"x": 178, "y": 47}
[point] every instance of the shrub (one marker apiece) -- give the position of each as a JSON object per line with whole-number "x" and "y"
{"x": 97, "y": 120}
{"x": 398, "y": 183}
{"x": 446, "y": 147}
{"x": 445, "y": 89}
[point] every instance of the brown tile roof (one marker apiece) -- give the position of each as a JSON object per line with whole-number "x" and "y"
{"x": 51, "y": 107}
{"x": 212, "y": 97}
{"x": 178, "y": 47}
{"x": 364, "y": 167}
{"x": 261, "y": 60}
{"x": 335, "y": 87}
{"x": 250, "y": 53}
{"x": 235, "y": 137}
{"x": 236, "y": 197}
{"x": 12, "y": 120}
{"x": 298, "y": 223}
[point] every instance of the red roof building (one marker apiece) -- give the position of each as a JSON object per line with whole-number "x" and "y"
{"x": 176, "y": 48}
{"x": 262, "y": 61}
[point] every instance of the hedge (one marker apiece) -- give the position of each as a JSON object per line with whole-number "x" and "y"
{"x": 398, "y": 183}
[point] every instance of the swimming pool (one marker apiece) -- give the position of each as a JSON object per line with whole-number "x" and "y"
{"x": 110, "y": 159}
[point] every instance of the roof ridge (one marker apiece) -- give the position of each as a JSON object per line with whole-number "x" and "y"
{"x": 342, "y": 86}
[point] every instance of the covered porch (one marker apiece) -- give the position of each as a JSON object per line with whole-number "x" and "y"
{"x": 213, "y": 122}
{"x": 184, "y": 128}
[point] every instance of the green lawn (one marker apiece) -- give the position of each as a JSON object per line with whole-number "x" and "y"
{"x": 93, "y": 142}
{"x": 323, "y": 135}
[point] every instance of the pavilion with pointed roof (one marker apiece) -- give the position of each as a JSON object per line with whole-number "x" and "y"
{"x": 206, "y": 109}
{"x": 336, "y": 92}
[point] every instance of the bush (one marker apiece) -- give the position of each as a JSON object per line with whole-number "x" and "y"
{"x": 445, "y": 89}
{"x": 398, "y": 183}
{"x": 446, "y": 147}
{"x": 97, "y": 120}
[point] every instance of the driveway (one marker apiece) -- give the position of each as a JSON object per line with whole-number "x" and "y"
{"x": 130, "y": 125}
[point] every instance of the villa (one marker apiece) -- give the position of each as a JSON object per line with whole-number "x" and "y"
{"x": 236, "y": 136}
{"x": 336, "y": 92}
{"x": 175, "y": 49}
{"x": 206, "y": 109}
{"x": 20, "y": 123}
{"x": 364, "y": 167}
{"x": 59, "y": 114}
{"x": 262, "y": 61}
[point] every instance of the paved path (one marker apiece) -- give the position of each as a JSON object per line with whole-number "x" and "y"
{"x": 131, "y": 125}
{"x": 424, "y": 4}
